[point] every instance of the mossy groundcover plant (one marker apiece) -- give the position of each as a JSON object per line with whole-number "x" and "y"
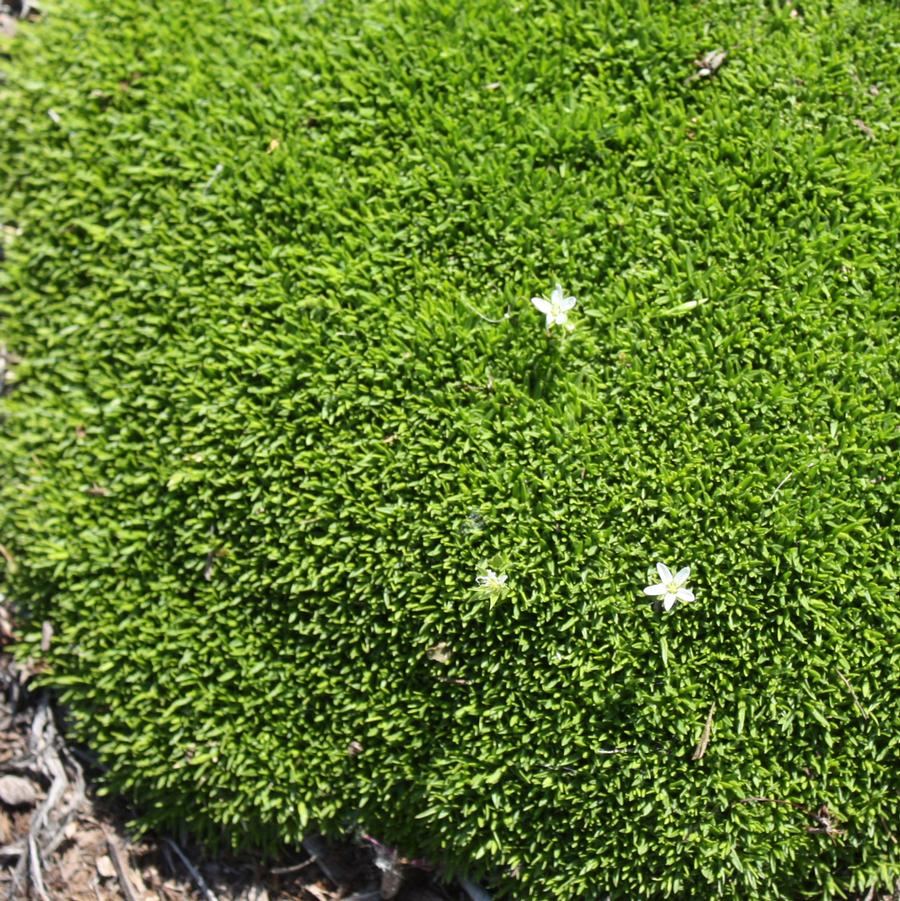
{"x": 283, "y": 398}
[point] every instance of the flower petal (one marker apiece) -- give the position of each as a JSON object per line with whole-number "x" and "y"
{"x": 685, "y": 594}
{"x": 568, "y": 303}
{"x": 542, "y": 304}
{"x": 664, "y": 572}
{"x": 682, "y": 576}
{"x": 654, "y": 590}
{"x": 557, "y": 295}
{"x": 669, "y": 601}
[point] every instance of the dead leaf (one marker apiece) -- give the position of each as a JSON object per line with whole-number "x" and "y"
{"x": 708, "y": 64}
{"x": 8, "y": 557}
{"x": 98, "y": 491}
{"x": 873, "y": 90}
{"x": 441, "y": 652}
{"x": 46, "y": 635}
{"x": 319, "y": 893}
{"x": 69, "y": 866}
{"x": 493, "y": 86}
{"x": 16, "y": 791}
{"x": 864, "y": 129}
{"x": 826, "y": 822}
{"x": 715, "y": 59}
{"x": 354, "y": 748}
{"x": 91, "y": 841}
{"x": 105, "y": 867}
{"x": 274, "y": 144}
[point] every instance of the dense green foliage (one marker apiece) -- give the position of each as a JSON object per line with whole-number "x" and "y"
{"x": 262, "y": 442}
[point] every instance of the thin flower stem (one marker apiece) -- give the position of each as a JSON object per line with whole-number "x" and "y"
{"x": 471, "y": 309}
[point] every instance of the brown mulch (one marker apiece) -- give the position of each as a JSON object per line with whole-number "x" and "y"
{"x": 60, "y": 842}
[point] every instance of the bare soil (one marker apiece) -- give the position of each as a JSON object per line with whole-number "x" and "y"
{"x": 59, "y": 841}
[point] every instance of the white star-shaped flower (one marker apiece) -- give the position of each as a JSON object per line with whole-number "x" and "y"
{"x": 556, "y": 309}
{"x": 491, "y": 582}
{"x": 671, "y": 587}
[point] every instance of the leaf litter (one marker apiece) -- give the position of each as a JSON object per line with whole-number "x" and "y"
{"x": 60, "y": 842}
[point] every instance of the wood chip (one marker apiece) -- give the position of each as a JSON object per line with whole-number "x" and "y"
{"x": 105, "y": 867}
{"x": 319, "y": 893}
{"x": 15, "y": 791}
{"x": 13, "y": 850}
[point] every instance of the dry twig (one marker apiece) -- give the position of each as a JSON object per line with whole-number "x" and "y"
{"x": 115, "y": 854}
{"x": 315, "y": 847}
{"x": 702, "y": 745}
{"x": 859, "y": 707}
{"x": 48, "y": 822}
{"x": 195, "y": 873}
{"x": 294, "y": 868}
{"x": 34, "y": 870}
